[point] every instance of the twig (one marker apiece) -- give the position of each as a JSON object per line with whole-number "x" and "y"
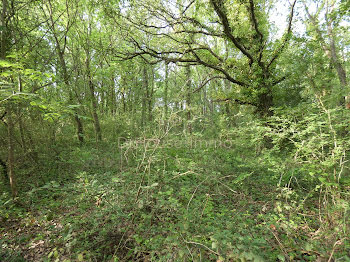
{"x": 199, "y": 244}
{"x": 279, "y": 243}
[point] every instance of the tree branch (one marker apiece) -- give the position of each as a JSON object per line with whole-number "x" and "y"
{"x": 206, "y": 82}
{"x": 227, "y": 29}
{"x": 287, "y": 37}
{"x": 255, "y": 22}
{"x": 235, "y": 101}
{"x": 166, "y": 56}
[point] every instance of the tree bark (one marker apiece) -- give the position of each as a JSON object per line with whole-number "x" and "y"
{"x": 265, "y": 103}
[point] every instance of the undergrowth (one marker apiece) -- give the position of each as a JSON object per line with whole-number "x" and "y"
{"x": 263, "y": 192}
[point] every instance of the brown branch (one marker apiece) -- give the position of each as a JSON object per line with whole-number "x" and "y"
{"x": 188, "y": 6}
{"x": 255, "y": 22}
{"x": 199, "y": 32}
{"x": 206, "y": 82}
{"x": 227, "y": 28}
{"x": 279, "y": 80}
{"x": 235, "y": 101}
{"x": 166, "y": 56}
{"x": 287, "y": 37}
{"x": 219, "y": 69}
{"x": 40, "y": 87}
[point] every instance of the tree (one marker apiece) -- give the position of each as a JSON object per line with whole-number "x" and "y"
{"x": 184, "y": 33}
{"x": 60, "y": 42}
{"x": 326, "y": 34}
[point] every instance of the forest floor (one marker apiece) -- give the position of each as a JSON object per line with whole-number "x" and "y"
{"x": 169, "y": 204}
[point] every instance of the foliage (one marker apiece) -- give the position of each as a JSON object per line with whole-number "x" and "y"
{"x": 174, "y": 131}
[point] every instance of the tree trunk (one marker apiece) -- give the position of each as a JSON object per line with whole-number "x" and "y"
{"x": 265, "y": 103}
{"x": 113, "y": 102}
{"x": 4, "y": 31}
{"x": 227, "y": 105}
{"x": 94, "y": 111}
{"x": 144, "y": 95}
{"x": 20, "y": 121}
{"x": 204, "y": 102}
{"x": 166, "y": 83}
{"x": 11, "y": 157}
{"x": 331, "y": 50}
{"x": 10, "y": 125}
{"x": 188, "y": 98}
{"x": 93, "y": 98}
{"x": 150, "y": 97}
{"x": 60, "y": 52}
{"x": 4, "y": 169}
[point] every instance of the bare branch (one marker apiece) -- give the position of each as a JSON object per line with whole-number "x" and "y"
{"x": 235, "y": 101}
{"x": 188, "y": 6}
{"x": 206, "y": 82}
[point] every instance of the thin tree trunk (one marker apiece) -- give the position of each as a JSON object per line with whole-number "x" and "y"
{"x": 227, "y": 105}
{"x": 188, "y": 98}
{"x": 150, "y": 97}
{"x": 92, "y": 87}
{"x": 10, "y": 125}
{"x": 94, "y": 111}
{"x": 93, "y": 99}
{"x": 112, "y": 97}
{"x": 3, "y": 165}
{"x": 4, "y": 32}
{"x": 331, "y": 51}
{"x": 205, "y": 102}
{"x": 166, "y": 83}
{"x": 144, "y": 95}
{"x": 20, "y": 121}
{"x": 62, "y": 62}
{"x": 11, "y": 157}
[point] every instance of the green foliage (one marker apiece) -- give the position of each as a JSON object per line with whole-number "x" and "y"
{"x": 214, "y": 178}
